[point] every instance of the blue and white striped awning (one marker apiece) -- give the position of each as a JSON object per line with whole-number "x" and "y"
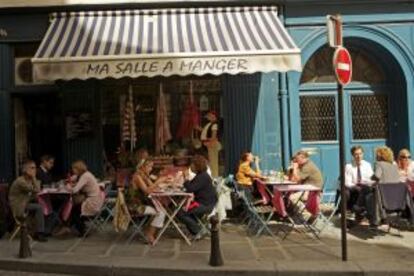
{"x": 165, "y": 42}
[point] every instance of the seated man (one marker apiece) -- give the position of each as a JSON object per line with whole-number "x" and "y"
{"x": 304, "y": 171}
{"x": 357, "y": 173}
{"x": 43, "y": 173}
{"x": 23, "y": 199}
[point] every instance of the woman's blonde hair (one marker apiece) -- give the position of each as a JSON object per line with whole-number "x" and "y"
{"x": 144, "y": 163}
{"x": 384, "y": 154}
{"x": 80, "y": 166}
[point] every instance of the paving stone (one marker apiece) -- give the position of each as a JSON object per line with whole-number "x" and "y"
{"x": 314, "y": 252}
{"x": 265, "y": 242}
{"x": 160, "y": 254}
{"x": 91, "y": 249}
{"x": 108, "y": 253}
{"x": 59, "y": 247}
{"x": 238, "y": 252}
{"x": 198, "y": 246}
{"x": 195, "y": 257}
{"x": 271, "y": 254}
{"x": 128, "y": 250}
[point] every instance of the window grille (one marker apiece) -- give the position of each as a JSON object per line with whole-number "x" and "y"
{"x": 369, "y": 116}
{"x": 318, "y": 118}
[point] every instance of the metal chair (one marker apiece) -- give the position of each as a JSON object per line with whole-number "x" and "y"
{"x": 257, "y": 217}
{"x": 97, "y": 221}
{"x": 329, "y": 201}
{"x": 137, "y": 223}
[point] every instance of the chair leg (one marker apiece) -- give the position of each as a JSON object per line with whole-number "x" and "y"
{"x": 15, "y": 232}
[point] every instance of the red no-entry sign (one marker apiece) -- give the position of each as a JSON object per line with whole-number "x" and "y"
{"x": 342, "y": 64}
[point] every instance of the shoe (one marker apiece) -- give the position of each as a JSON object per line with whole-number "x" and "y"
{"x": 311, "y": 220}
{"x": 259, "y": 202}
{"x": 200, "y": 235}
{"x": 373, "y": 227}
{"x": 40, "y": 237}
{"x": 62, "y": 231}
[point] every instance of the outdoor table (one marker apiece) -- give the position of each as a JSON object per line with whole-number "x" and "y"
{"x": 43, "y": 198}
{"x": 179, "y": 200}
{"x": 282, "y": 190}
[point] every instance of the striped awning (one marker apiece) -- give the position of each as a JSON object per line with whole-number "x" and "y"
{"x": 165, "y": 42}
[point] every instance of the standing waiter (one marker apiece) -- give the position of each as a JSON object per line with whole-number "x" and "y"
{"x": 209, "y": 138}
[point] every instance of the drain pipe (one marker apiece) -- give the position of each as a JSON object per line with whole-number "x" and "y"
{"x": 284, "y": 106}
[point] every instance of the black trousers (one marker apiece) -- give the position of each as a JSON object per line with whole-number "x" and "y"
{"x": 190, "y": 218}
{"x": 77, "y": 220}
{"x": 368, "y": 202}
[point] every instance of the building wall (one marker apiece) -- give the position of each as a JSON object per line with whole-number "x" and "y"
{"x": 388, "y": 30}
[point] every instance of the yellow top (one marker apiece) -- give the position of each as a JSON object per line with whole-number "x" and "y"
{"x": 244, "y": 173}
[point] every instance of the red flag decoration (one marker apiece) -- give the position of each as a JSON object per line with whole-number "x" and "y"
{"x": 162, "y": 127}
{"x": 190, "y": 118}
{"x": 128, "y": 124}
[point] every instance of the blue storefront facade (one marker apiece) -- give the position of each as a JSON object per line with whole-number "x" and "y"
{"x": 273, "y": 114}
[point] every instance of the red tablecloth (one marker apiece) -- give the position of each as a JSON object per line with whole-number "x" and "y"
{"x": 44, "y": 200}
{"x": 312, "y": 203}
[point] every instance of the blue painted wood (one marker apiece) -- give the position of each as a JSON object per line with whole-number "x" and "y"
{"x": 83, "y": 97}
{"x": 392, "y": 49}
{"x": 267, "y": 136}
{"x": 251, "y": 119}
{"x": 240, "y": 97}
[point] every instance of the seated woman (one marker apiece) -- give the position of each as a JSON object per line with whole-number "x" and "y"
{"x": 385, "y": 172}
{"x": 246, "y": 176}
{"x": 205, "y": 197}
{"x": 88, "y": 199}
{"x": 405, "y": 166}
{"x": 137, "y": 197}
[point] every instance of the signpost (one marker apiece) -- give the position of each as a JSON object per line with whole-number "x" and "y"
{"x": 342, "y": 64}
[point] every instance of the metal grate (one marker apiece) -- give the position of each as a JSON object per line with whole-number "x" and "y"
{"x": 318, "y": 120}
{"x": 369, "y": 116}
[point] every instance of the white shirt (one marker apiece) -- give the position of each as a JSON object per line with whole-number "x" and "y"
{"x": 203, "y": 135}
{"x": 191, "y": 174}
{"x": 351, "y": 174}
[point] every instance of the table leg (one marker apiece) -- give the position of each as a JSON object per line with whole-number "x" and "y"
{"x": 171, "y": 219}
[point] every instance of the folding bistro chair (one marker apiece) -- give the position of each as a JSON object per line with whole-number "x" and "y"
{"x": 109, "y": 202}
{"x": 137, "y": 224}
{"x": 17, "y": 229}
{"x": 329, "y": 201}
{"x": 257, "y": 217}
{"x": 96, "y": 222}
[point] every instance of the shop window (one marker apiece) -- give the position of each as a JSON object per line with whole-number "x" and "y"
{"x": 369, "y": 116}
{"x": 319, "y": 68}
{"x": 205, "y": 91}
{"x": 318, "y": 122}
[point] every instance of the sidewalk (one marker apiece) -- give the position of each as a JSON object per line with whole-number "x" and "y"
{"x": 108, "y": 254}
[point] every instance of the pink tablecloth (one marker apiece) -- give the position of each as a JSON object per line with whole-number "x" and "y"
{"x": 312, "y": 204}
{"x": 44, "y": 200}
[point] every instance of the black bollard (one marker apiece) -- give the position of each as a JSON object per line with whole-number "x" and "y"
{"x": 215, "y": 252}
{"x": 25, "y": 250}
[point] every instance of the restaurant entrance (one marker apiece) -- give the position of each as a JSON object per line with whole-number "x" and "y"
{"x": 38, "y": 129}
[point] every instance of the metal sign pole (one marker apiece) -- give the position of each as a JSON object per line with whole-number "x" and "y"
{"x": 342, "y": 170}
{"x": 341, "y": 97}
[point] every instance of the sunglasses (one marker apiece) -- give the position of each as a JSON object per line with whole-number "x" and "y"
{"x": 405, "y": 157}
